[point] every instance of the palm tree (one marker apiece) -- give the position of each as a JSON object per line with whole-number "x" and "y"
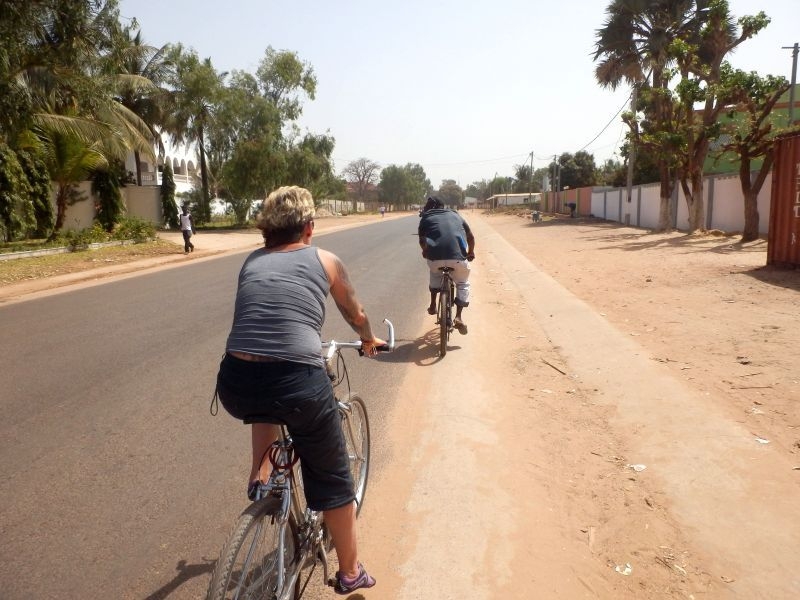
{"x": 70, "y": 106}
{"x": 634, "y": 44}
{"x": 69, "y": 160}
{"x": 139, "y": 72}
{"x": 195, "y": 89}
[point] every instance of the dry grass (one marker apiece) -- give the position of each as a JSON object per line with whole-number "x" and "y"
{"x": 26, "y": 269}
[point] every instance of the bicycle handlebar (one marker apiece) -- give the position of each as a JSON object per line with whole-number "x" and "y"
{"x": 332, "y": 346}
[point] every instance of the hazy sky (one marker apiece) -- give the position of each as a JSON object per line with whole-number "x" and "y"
{"x": 467, "y": 89}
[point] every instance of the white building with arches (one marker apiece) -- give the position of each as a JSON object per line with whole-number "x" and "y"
{"x": 184, "y": 168}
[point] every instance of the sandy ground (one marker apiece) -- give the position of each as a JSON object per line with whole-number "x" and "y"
{"x": 621, "y": 422}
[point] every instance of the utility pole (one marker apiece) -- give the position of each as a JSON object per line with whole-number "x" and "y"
{"x": 794, "y": 50}
{"x": 494, "y": 202}
{"x": 530, "y": 182}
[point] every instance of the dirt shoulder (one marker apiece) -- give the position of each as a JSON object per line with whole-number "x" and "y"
{"x": 705, "y": 306}
{"x": 616, "y": 425}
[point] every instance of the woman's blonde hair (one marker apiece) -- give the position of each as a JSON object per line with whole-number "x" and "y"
{"x": 289, "y": 207}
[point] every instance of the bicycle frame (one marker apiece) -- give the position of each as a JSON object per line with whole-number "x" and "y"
{"x": 445, "y": 308}
{"x": 310, "y": 537}
{"x": 447, "y": 285}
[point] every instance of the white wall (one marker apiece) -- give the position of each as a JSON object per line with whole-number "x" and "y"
{"x": 344, "y": 207}
{"x": 722, "y": 196}
{"x": 513, "y": 199}
{"x": 144, "y": 202}
{"x": 81, "y": 214}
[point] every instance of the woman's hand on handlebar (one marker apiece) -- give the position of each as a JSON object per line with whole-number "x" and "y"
{"x": 371, "y": 347}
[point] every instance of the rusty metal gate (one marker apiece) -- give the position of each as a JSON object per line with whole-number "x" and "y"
{"x": 783, "y": 242}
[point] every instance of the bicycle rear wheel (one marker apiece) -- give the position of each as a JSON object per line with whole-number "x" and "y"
{"x": 248, "y": 565}
{"x": 355, "y": 426}
{"x": 443, "y": 316}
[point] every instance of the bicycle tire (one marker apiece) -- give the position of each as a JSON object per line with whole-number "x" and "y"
{"x": 451, "y": 299}
{"x": 259, "y": 576}
{"x": 443, "y": 314}
{"x": 355, "y": 427}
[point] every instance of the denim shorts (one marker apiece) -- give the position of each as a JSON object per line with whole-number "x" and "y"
{"x": 300, "y": 397}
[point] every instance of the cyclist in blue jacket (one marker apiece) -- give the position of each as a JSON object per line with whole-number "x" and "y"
{"x": 447, "y": 241}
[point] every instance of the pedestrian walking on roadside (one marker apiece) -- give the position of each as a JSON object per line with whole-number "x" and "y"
{"x": 187, "y": 228}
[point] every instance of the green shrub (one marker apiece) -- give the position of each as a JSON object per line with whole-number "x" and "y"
{"x": 78, "y": 239}
{"x": 136, "y": 229}
{"x": 106, "y": 185}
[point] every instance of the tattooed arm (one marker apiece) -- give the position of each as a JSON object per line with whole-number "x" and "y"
{"x": 345, "y": 297}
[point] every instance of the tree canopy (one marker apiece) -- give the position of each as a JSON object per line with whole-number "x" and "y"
{"x": 674, "y": 54}
{"x": 79, "y": 92}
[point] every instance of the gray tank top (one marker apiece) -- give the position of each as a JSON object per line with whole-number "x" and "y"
{"x": 280, "y": 306}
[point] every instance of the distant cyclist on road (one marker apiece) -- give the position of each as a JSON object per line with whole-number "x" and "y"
{"x": 273, "y": 371}
{"x": 447, "y": 241}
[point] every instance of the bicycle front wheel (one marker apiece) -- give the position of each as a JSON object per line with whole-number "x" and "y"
{"x": 355, "y": 427}
{"x": 249, "y": 564}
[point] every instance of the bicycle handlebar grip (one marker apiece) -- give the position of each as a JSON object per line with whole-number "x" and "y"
{"x": 389, "y": 346}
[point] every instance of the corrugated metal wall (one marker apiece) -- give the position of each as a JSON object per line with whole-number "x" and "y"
{"x": 783, "y": 243}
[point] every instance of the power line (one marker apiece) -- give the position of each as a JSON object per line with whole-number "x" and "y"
{"x": 472, "y": 162}
{"x": 518, "y": 155}
{"x": 468, "y": 162}
{"x": 609, "y": 123}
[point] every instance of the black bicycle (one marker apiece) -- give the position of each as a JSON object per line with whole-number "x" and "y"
{"x": 278, "y": 541}
{"x": 444, "y": 309}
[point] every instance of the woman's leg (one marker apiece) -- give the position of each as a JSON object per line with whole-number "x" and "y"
{"x": 341, "y": 523}
{"x": 263, "y": 435}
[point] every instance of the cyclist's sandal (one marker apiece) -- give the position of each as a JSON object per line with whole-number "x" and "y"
{"x": 461, "y": 326}
{"x": 346, "y": 585}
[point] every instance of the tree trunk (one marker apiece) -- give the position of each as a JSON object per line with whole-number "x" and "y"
{"x": 694, "y": 202}
{"x": 664, "y": 213}
{"x": 61, "y": 210}
{"x": 750, "y": 191}
{"x": 664, "y": 216}
{"x": 205, "y": 209}
{"x": 751, "y": 217}
{"x": 138, "y": 160}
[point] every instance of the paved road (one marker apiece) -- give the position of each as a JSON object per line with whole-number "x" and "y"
{"x": 116, "y": 482}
